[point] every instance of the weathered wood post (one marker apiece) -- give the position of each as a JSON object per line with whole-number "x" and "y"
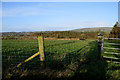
{"x": 41, "y": 50}
{"x": 100, "y": 45}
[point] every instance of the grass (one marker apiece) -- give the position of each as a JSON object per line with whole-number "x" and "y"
{"x": 65, "y": 59}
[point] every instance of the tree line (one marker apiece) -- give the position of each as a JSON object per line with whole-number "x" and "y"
{"x": 115, "y": 33}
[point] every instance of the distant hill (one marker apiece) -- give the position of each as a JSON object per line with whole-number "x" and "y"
{"x": 63, "y": 33}
{"x": 95, "y": 29}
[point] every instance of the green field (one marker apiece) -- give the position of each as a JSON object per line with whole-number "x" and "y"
{"x": 65, "y": 59}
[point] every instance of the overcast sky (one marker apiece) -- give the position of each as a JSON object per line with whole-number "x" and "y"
{"x": 57, "y": 16}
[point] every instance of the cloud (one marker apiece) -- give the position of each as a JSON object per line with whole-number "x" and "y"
{"x": 39, "y": 9}
{"x": 96, "y": 24}
{"x": 82, "y": 24}
{"x": 15, "y": 29}
{"x": 70, "y": 26}
{"x": 58, "y": 27}
{"x": 20, "y": 12}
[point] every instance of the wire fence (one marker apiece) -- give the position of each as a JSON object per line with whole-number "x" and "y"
{"x": 16, "y": 51}
{"x": 59, "y": 54}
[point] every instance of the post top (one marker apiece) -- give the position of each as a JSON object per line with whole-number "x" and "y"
{"x": 99, "y": 34}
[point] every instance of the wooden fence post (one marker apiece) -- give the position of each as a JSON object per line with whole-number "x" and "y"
{"x": 41, "y": 51}
{"x": 41, "y": 48}
{"x": 100, "y": 45}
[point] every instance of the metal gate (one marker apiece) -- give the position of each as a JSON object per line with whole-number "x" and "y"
{"x": 111, "y": 49}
